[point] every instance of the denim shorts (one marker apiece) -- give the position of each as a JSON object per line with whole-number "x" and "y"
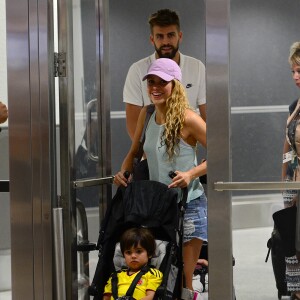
{"x": 195, "y": 220}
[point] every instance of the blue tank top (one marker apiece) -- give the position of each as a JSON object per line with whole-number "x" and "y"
{"x": 159, "y": 163}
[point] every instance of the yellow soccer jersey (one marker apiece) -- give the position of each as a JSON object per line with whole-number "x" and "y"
{"x": 149, "y": 281}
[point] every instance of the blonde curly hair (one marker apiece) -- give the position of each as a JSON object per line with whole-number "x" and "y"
{"x": 176, "y": 104}
{"x": 294, "y": 57}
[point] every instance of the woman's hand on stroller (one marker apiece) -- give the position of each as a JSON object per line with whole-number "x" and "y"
{"x": 122, "y": 178}
{"x": 180, "y": 179}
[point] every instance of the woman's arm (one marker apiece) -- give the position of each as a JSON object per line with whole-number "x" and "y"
{"x": 127, "y": 164}
{"x": 286, "y": 148}
{"x": 182, "y": 179}
{"x": 194, "y": 130}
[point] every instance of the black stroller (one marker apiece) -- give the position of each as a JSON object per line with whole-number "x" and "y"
{"x": 149, "y": 204}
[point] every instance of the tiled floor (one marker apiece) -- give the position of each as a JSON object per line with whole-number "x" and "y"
{"x": 5, "y": 295}
{"x": 253, "y": 278}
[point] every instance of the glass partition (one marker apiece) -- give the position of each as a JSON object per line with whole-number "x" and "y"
{"x": 261, "y": 89}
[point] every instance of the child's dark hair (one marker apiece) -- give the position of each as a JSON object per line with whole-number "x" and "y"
{"x": 134, "y": 236}
{"x": 163, "y": 18}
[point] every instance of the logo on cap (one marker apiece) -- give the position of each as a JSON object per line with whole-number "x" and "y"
{"x": 165, "y": 68}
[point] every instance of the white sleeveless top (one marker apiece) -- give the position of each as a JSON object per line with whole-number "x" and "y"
{"x": 159, "y": 163}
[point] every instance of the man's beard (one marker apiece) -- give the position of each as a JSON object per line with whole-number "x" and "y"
{"x": 170, "y": 55}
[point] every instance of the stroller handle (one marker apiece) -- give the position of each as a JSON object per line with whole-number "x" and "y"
{"x": 126, "y": 174}
{"x": 172, "y": 174}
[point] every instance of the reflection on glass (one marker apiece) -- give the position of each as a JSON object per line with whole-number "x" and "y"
{"x": 85, "y": 102}
{"x": 259, "y": 109}
{"x": 86, "y": 137}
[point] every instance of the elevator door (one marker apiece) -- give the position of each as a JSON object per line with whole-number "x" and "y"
{"x": 83, "y": 138}
{"x": 247, "y": 112}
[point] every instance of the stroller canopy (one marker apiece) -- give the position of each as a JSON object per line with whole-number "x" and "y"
{"x": 144, "y": 203}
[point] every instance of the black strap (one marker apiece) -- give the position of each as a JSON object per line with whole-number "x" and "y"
{"x": 114, "y": 285}
{"x": 150, "y": 110}
{"x": 139, "y": 155}
{"x": 136, "y": 279}
{"x": 114, "y": 282}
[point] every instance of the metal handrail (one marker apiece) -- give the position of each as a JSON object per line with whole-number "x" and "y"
{"x": 89, "y": 106}
{"x": 258, "y": 186}
{"x": 92, "y": 182}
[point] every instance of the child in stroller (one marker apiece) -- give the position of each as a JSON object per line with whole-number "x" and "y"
{"x": 137, "y": 247}
{"x": 152, "y": 205}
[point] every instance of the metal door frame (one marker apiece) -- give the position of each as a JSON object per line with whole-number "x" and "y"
{"x": 32, "y": 146}
{"x": 218, "y": 104}
{"x": 67, "y": 149}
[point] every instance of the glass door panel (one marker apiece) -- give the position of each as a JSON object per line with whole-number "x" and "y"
{"x": 84, "y": 142}
{"x": 259, "y": 40}
{"x": 261, "y": 34}
{"x": 259, "y": 110}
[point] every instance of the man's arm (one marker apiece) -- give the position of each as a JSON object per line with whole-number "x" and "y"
{"x": 202, "y": 109}
{"x": 3, "y": 112}
{"x": 132, "y": 114}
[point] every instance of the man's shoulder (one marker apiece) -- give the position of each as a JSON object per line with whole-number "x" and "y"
{"x": 144, "y": 62}
{"x": 189, "y": 60}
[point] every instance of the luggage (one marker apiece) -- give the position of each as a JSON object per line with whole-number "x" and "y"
{"x": 276, "y": 249}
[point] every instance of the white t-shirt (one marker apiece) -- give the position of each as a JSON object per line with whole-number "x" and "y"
{"x": 193, "y": 79}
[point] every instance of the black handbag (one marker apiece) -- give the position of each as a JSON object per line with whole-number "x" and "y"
{"x": 276, "y": 248}
{"x": 140, "y": 167}
{"x": 285, "y": 223}
{"x": 141, "y": 170}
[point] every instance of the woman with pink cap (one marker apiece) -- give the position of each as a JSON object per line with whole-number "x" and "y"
{"x": 171, "y": 139}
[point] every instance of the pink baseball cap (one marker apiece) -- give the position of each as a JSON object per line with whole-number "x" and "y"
{"x": 165, "y": 68}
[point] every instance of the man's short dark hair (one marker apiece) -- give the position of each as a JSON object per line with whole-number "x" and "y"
{"x": 163, "y": 18}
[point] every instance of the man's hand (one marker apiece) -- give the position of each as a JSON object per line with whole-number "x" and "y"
{"x": 3, "y": 112}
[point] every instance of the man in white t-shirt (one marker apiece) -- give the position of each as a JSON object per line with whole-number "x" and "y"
{"x": 165, "y": 37}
